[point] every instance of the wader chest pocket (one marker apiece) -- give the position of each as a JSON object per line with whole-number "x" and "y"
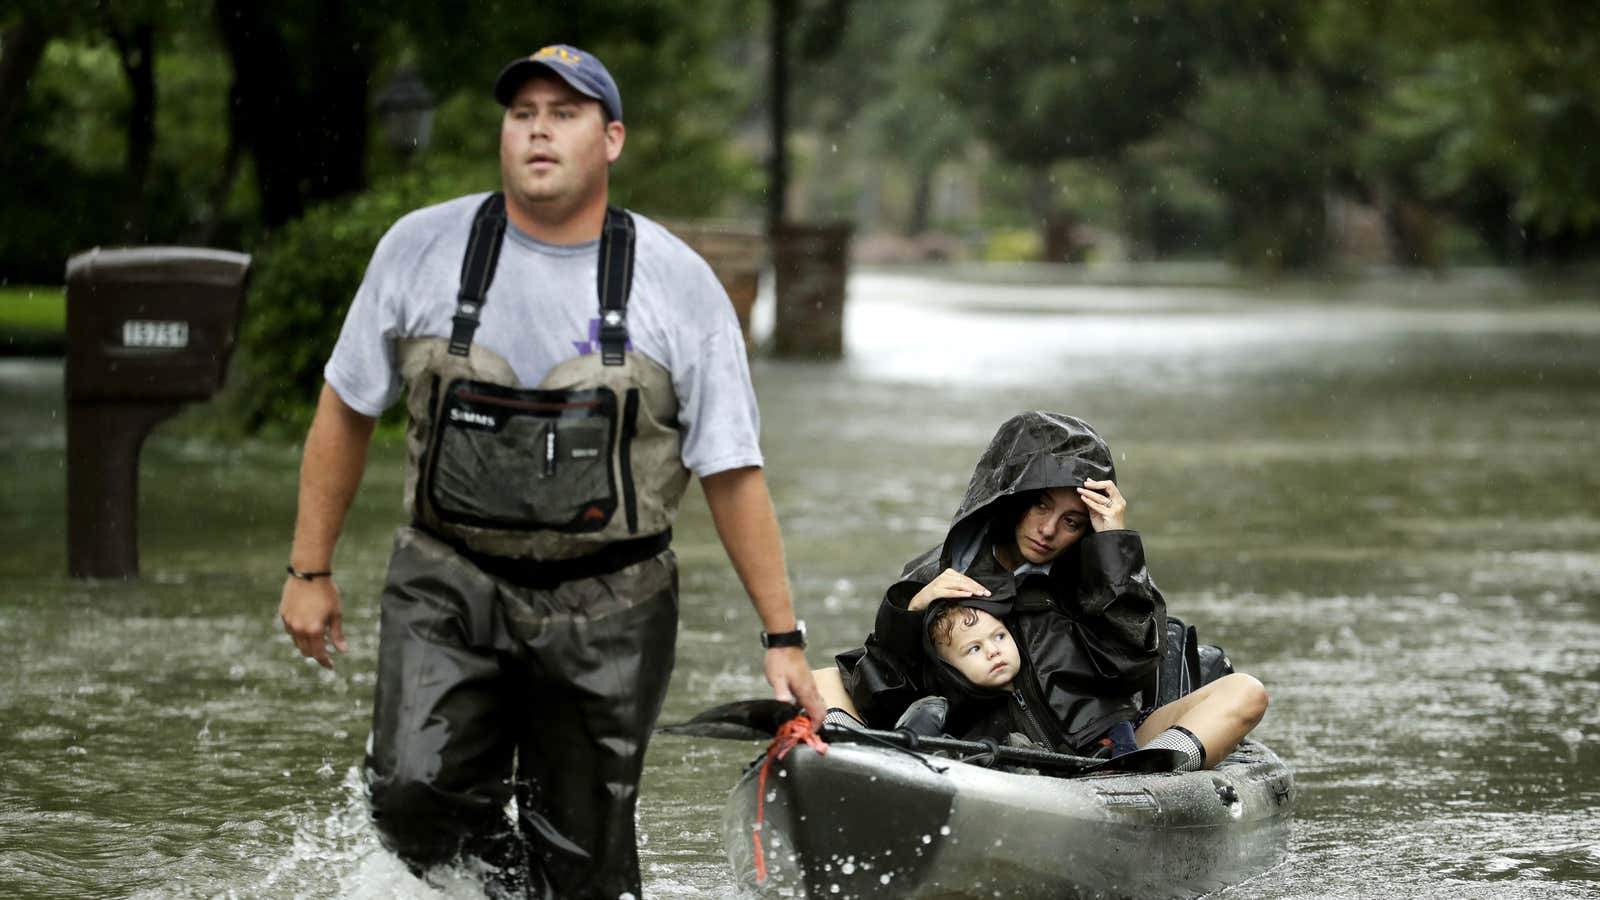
{"x": 524, "y": 459}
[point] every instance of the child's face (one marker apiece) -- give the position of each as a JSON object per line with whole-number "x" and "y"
{"x": 983, "y": 651}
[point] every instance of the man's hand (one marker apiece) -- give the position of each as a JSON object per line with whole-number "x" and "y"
{"x": 790, "y": 677}
{"x": 742, "y": 510}
{"x": 330, "y": 471}
{"x": 310, "y": 613}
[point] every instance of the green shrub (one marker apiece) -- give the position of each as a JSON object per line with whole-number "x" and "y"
{"x": 1013, "y": 245}
{"x": 302, "y": 282}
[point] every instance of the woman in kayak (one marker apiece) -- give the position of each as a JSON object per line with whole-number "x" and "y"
{"x": 1039, "y": 541}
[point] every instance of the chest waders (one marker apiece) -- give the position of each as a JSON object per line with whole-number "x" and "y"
{"x": 588, "y": 462}
{"x": 530, "y": 611}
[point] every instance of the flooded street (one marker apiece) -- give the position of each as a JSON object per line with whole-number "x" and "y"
{"x": 1382, "y": 498}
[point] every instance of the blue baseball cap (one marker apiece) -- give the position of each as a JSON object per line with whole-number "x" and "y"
{"x": 579, "y": 68}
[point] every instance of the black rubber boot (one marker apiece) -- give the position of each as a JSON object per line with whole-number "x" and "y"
{"x": 925, "y": 718}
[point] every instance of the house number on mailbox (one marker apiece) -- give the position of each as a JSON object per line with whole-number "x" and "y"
{"x": 145, "y": 333}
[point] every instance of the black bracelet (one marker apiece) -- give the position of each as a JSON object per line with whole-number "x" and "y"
{"x": 307, "y": 576}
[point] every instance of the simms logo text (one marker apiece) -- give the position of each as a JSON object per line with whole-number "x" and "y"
{"x": 471, "y": 418}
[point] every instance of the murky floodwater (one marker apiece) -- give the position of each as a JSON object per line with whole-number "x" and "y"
{"x": 1383, "y": 499}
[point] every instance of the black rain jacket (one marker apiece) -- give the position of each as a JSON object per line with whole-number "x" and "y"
{"x": 1090, "y": 631}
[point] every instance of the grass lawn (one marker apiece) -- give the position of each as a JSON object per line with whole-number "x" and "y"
{"x": 33, "y": 319}
{"x": 33, "y": 307}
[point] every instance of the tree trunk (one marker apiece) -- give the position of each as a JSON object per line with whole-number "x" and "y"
{"x": 1276, "y": 231}
{"x": 342, "y": 56}
{"x": 1414, "y": 232}
{"x": 136, "y": 50}
{"x": 23, "y": 43}
{"x": 921, "y": 200}
{"x": 1061, "y": 238}
{"x": 1042, "y": 203}
{"x": 308, "y": 140}
{"x": 264, "y": 107}
{"x": 1134, "y": 210}
{"x": 210, "y": 228}
{"x": 782, "y": 14}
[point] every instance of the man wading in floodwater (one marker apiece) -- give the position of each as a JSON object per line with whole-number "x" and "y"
{"x": 530, "y": 610}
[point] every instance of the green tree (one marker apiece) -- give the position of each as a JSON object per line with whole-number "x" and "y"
{"x": 1067, "y": 80}
{"x": 1494, "y": 109}
{"x": 79, "y": 100}
{"x": 1268, "y": 145}
{"x": 874, "y": 91}
{"x": 1071, "y": 80}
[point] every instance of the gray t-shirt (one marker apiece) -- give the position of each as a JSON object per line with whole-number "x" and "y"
{"x": 543, "y": 309}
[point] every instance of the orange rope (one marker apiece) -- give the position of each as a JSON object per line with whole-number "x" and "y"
{"x": 790, "y": 734}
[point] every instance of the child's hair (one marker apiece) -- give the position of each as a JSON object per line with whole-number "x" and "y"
{"x": 944, "y": 622}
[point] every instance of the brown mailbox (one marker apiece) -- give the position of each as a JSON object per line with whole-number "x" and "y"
{"x": 148, "y": 329}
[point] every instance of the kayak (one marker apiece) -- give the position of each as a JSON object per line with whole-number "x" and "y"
{"x": 870, "y": 819}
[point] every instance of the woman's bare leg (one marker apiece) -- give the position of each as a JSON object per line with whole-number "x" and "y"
{"x": 831, "y": 687}
{"x": 1219, "y": 714}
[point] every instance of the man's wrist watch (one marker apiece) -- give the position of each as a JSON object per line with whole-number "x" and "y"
{"x": 795, "y": 638}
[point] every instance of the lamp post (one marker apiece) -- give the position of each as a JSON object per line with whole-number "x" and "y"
{"x": 405, "y": 107}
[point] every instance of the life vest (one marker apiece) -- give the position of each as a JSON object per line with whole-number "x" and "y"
{"x": 587, "y": 460}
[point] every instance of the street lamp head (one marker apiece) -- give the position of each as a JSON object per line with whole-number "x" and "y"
{"x": 405, "y": 107}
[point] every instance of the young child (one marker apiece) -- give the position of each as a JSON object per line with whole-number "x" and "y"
{"x": 976, "y": 644}
{"x": 972, "y": 664}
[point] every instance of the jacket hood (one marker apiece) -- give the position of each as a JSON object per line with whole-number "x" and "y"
{"x": 1029, "y": 452}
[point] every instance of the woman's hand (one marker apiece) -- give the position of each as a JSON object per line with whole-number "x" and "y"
{"x": 946, "y": 585}
{"x": 1106, "y": 504}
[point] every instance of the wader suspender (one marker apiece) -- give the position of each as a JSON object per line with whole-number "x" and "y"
{"x": 615, "y": 270}
{"x": 614, "y": 274}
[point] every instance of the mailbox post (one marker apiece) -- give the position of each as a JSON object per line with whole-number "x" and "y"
{"x": 148, "y": 330}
